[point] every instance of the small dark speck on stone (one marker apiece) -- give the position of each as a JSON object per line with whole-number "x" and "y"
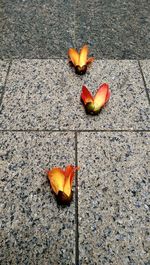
{"x": 3, "y": 180}
{"x": 105, "y": 189}
{"x": 133, "y": 192}
{"x": 38, "y": 190}
{"x": 12, "y": 218}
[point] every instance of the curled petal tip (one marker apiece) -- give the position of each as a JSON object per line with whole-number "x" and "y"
{"x": 90, "y": 60}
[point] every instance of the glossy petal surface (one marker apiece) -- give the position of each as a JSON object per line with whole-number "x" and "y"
{"x": 102, "y": 96}
{"x": 57, "y": 179}
{"x": 74, "y": 56}
{"x": 86, "y": 95}
{"x": 83, "y": 55}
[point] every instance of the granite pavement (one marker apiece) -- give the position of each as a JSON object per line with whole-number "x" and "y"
{"x": 114, "y": 198}
{"x": 47, "y": 28}
{"x": 34, "y": 229}
{"x": 43, "y": 124}
{"x": 145, "y": 65}
{"x": 36, "y": 28}
{"x": 45, "y": 95}
{"x": 4, "y": 65}
{"x": 114, "y": 29}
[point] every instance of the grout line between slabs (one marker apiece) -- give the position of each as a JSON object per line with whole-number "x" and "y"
{"x": 74, "y": 35}
{"x": 44, "y": 58}
{"x": 143, "y": 78}
{"x": 66, "y": 57}
{"x": 76, "y": 131}
{"x": 76, "y": 204}
{"x": 7, "y": 74}
{"x": 75, "y": 22}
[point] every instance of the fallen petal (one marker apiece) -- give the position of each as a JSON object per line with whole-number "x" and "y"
{"x": 86, "y": 95}
{"x": 83, "y": 56}
{"x": 74, "y": 56}
{"x": 69, "y": 175}
{"x": 57, "y": 179}
{"x": 102, "y": 96}
{"x": 90, "y": 60}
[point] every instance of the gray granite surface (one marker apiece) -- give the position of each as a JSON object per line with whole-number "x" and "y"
{"x": 145, "y": 65}
{"x": 114, "y": 198}
{"x": 45, "y": 94}
{"x": 111, "y": 210}
{"x": 35, "y": 230}
{"x": 36, "y": 28}
{"x": 47, "y": 28}
{"x": 3, "y": 72}
{"x": 114, "y": 29}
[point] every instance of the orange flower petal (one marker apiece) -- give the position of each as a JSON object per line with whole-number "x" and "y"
{"x": 90, "y": 60}
{"x": 57, "y": 179}
{"x": 102, "y": 96}
{"x": 74, "y": 56}
{"x": 69, "y": 175}
{"x": 108, "y": 95}
{"x": 86, "y": 95}
{"x": 69, "y": 171}
{"x": 83, "y": 56}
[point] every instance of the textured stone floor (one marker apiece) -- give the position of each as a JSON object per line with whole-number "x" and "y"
{"x": 43, "y": 124}
{"x": 46, "y": 28}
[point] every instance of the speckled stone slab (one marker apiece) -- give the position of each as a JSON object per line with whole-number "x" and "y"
{"x": 36, "y": 28}
{"x": 45, "y": 94}
{"x": 35, "y": 230}
{"x": 145, "y": 65}
{"x": 114, "y": 29}
{"x": 113, "y": 198}
{"x": 3, "y": 72}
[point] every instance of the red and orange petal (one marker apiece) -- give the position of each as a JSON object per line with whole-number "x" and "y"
{"x": 69, "y": 172}
{"x": 62, "y": 180}
{"x": 90, "y": 60}
{"x": 74, "y": 56}
{"x": 57, "y": 179}
{"x": 102, "y": 96}
{"x": 86, "y": 95}
{"x": 108, "y": 95}
{"x": 69, "y": 175}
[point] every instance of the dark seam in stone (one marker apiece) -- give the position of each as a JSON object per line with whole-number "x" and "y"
{"x": 75, "y": 9}
{"x": 74, "y": 131}
{"x": 5, "y": 82}
{"x": 143, "y": 78}
{"x": 76, "y": 204}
